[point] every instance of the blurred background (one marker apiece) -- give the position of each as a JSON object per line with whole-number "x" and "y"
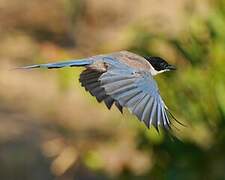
{"x": 50, "y": 128}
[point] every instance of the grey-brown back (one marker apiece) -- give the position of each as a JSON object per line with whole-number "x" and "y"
{"x": 132, "y": 60}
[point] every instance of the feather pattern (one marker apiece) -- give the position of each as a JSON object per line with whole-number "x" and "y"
{"x": 90, "y": 80}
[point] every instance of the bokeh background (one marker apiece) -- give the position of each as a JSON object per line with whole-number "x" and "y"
{"x": 50, "y": 128}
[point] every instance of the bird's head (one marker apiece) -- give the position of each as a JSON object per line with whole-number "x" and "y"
{"x": 159, "y": 65}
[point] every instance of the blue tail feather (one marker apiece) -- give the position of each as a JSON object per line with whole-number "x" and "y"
{"x": 72, "y": 63}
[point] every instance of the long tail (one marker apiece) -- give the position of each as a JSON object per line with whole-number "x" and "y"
{"x": 72, "y": 63}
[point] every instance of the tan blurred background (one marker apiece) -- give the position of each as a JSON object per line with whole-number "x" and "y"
{"x": 50, "y": 128}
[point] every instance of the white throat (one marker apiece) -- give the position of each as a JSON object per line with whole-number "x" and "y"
{"x": 155, "y": 72}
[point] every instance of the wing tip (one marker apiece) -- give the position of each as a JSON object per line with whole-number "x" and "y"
{"x": 182, "y": 124}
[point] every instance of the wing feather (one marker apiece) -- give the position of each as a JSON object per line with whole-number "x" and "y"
{"x": 153, "y": 115}
{"x": 140, "y": 107}
{"x": 147, "y": 111}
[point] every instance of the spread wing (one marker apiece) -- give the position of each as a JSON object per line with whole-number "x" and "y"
{"x": 137, "y": 91}
{"x": 128, "y": 87}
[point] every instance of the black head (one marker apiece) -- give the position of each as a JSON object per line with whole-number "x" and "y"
{"x": 159, "y": 64}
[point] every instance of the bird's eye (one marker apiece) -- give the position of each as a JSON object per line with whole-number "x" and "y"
{"x": 162, "y": 64}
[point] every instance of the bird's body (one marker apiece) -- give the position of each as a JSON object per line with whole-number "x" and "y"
{"x": 126, "y": 80}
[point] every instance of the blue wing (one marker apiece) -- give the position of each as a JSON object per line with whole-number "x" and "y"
{"x": 138, "y": 91}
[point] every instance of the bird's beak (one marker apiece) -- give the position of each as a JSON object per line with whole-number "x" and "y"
{"x": 171, "y": 67}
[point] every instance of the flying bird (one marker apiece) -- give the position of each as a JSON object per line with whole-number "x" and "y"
{"x": 126, "y": 80}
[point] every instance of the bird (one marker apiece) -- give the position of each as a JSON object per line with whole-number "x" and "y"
{"x": 126, "y": 80}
